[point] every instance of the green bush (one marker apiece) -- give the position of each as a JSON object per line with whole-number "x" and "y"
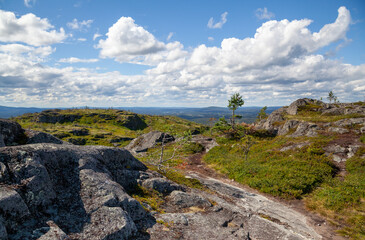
{"x": 192, "y": 147}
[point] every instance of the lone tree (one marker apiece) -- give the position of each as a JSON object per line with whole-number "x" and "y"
{"x": 233, "y": 104}
{"x": 331, "y": 97}
{"x": 262, "y": 114}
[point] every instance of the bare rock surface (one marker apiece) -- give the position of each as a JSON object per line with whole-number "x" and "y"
{"x": 82, "y": 190}
{"x": 161, "y": 185}
{"x": 206, "y": 142}
{"x": 294, "y": 106}
{"x": 11, "y": 133}
{"x": 41, "y": 137}
{"x": 237, "y": 215}
{"x": 148, "y": 140}
{"x": 184, "y": 200}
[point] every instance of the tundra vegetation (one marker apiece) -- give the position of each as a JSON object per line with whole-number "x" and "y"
{"x": 286, "y": 165}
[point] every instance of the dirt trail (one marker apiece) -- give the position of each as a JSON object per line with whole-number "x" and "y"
{"x": 290, "y": 214}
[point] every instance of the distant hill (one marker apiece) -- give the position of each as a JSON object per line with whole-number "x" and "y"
{"x": 198, "y": 115}
{"x": 8, "y": 112}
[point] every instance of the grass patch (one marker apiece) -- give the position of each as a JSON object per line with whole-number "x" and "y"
{"x": 312, "y": 116}
{"x": 343, "y": 200}
{"x": 151, "y": 197}
{"x": 289, "y": 174}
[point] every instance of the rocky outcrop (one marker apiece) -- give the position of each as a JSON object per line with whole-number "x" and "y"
{"x": 306, "y": 129}
{"x": 55, "y": 116}
{"x": 295, "y": 106}
{"x": 237, "y": 215}
{"x": 206, "y": 142}
{"x": 161, "y": 185}
{"x": 78, "y": 191}
{"x": 288, "y": 125}
{"x": 11, "y": 133}
{"x": 41, "y": 137}
{"x": 273, "y": 122}
{"x": 148, "y": 140}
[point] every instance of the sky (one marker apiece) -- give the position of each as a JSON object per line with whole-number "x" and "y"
{"x": 174, "y": 53}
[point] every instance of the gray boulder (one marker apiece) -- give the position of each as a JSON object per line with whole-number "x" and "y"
{"x": 294, "y": 106}
{"x": 11, "y": 133}
{"x": 305, "y": 129}
{"x": 206, "y": 142}
{"x": 272, "y": 123}
{"x": 338, "y": 130}
{"x": 184, "y": 200}
{"x": 41, "y": 137}
{"x": 148, "y": 140}
{"x": 51, "y": 232}
{"x": 349, "y": 122}
{"x": 161, "y": 185}
{"x": 290, "y": 124}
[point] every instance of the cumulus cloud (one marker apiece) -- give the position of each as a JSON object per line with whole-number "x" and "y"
{"x": 219, "y": 24}
{"x": 277, "y": 65}
{"x": 128, "y": 42}
{"x": 78, "y": 60}
{"x": 28, "y": 29}
{"x": 34, "y": 53}
{"x": 262, "y": 13}
{"x": 79, "y": 25}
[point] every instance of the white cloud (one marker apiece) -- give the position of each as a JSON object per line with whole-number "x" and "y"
{"x": 96, "y": 35}
{"x": 219, "y": 24}
{"x": 211, "y": 38}
{"x": 79, "y": 25}
{"x": 28, "y": 29}
{"x": 78, "y": 60}
{"x": 170, "y": 36}
{"x": 128, "y": 42}
{"x": 28, "y": 3}
{"x": 34, "y": 53}
{"x": 277, "y": 65}
{"x": 81, "y": 39}
{"x": 262, "y": 13}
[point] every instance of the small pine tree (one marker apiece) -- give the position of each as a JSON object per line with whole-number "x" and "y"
{"x": 234, "y": 103}
{"x": 331, "y": 97}
{"x": 262, "y": 114}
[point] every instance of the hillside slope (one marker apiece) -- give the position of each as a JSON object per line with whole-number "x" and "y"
{"x": 309, "y": 150}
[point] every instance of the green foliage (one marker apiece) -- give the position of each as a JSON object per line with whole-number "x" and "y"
{"x": 234, "y": 103}
{"x": 362, "y": 138}
{"x": 342, "y": 200}
{"x": 221, "y": 125}
{"x": 192, "y": 148}
{"x": 290, "y": 174}
{"x": 262, "y": 114}
{"x": 331, "y": 97}
{"x": 151, "y": 197}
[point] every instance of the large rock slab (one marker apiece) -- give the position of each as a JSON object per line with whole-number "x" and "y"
{"x": 80, "y": 189}
{"x": 148, "y": 140}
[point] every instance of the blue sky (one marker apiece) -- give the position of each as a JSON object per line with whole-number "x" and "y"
{"x": 179, "y": 53}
